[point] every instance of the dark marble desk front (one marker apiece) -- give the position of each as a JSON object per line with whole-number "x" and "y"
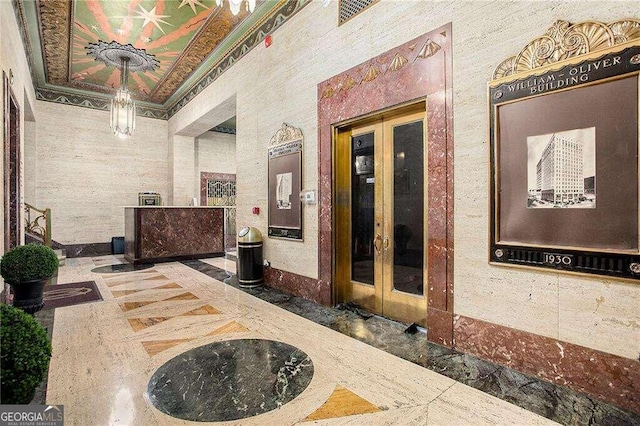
{"x": 157, "y": 234}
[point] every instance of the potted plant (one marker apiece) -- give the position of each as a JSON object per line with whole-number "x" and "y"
{"x": 27, "y": 269}
{"x": 25, "y": 354}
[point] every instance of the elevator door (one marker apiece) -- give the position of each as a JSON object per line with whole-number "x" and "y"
{"x": 380, "y": 211}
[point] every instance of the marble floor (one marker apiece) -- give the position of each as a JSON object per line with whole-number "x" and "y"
{"x": 168, "y": 343}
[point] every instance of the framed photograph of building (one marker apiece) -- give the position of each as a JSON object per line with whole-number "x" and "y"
{"x": 285, "y": 184}
{"x": 564, "y": 153}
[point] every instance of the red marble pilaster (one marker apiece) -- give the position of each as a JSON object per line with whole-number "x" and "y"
{"x": 604, "y": 376}
{"x": 440, "y": 325}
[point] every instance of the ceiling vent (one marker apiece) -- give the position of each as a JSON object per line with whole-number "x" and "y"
{"x": 350, "y": 8}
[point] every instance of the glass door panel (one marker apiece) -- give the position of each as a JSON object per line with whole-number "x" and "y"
{"x": 403, "y": 295}
{"x": 362, "y": 208}
{"x": 408, "y": 207}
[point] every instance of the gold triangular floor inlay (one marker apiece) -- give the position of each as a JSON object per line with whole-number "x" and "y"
{"x": 183, "y": 296}
{"x": 203, "y": 310}
{"x": 122, "y": 293}
{"x": 116, "y": 282}
{"x": 154, "y": 347}
{"x": 167, "y": 286}
{"x": 232, "y": 327}
{"x": 129, "y": 276}
{"x": 141, "y": 323}
{"x": 341, "y": 403}
{"x": 128, "y": 306}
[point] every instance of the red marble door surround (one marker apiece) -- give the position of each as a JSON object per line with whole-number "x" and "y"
{"x": 417, "y": 70}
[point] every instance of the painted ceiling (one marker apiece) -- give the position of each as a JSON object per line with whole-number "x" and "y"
{"x": 194, "y": 41}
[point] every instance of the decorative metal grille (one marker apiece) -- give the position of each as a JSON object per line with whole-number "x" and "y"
{"x": 350, "y": 8}
{"x": 230, "y": 221}
{"x": 221, "y": 193}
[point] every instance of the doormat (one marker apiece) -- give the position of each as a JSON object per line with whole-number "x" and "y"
{"x": 59, "y": 295}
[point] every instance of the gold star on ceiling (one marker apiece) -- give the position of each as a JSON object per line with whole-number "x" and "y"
{"x": 150, "y": 16}
{"x": 193, "y": 4}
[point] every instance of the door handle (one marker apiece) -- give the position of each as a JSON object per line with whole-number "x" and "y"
{"x": 385, "y": 243}
{"x": 377, "y": 239}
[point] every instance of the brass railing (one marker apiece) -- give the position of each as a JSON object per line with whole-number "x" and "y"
{"x": 38, "y": 223}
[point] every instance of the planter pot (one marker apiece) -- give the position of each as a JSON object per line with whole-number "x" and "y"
{"x": 28, "y": 295}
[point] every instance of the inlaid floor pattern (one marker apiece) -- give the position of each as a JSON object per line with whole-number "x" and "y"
{"x": 105, "y": 353}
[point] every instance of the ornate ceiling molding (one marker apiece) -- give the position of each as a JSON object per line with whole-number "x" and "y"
{"x": 255, "y": 37}
{"x": 55, "y": 19}
{"x": 112, "y": 53}
{"x": 210, "y": 36}
{"x": 94, "y": 103}
{"x": 565, "y": 40}
{"x": 18, "y": 10}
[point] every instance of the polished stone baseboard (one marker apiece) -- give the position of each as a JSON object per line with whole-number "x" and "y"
{"x": 602, "y": 375}
{"x": 87, "y": 250}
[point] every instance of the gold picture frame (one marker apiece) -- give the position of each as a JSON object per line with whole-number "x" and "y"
{"x": 564, "y": 144}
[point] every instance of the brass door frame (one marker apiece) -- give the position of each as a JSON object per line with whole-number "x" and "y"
{"x": 405, "y": 306}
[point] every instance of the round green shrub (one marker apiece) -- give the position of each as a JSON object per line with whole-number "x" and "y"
{"x": 25, "y": 353}
{"x": 27, "y": 263}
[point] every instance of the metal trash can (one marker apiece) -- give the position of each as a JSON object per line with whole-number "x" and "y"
{"x": 250, "y": 268}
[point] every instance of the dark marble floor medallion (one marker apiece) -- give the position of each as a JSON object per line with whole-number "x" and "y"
{"x": 230, "y": 380}
{"x": 121, "y": 267}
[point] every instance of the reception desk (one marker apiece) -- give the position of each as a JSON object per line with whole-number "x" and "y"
{"x": 162, "y": 234}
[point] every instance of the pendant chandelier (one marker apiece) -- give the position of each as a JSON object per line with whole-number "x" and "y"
{"x": 123, "y": 108}
{"x": 127, "y": 58}
{"x": 234, "y": 5}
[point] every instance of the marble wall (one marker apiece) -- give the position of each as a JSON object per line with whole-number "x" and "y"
{"x": 182, "y": 169}
{"x": 594, "y": 313}
{"x": 86, "y": 175}
{"x": 216, "y": 153}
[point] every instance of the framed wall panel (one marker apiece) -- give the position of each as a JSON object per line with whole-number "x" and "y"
{"x": 564, "y": 136}
{"x": 285, "y": 183}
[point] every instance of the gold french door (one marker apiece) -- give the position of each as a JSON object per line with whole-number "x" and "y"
{"x": 380, "y": 215}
